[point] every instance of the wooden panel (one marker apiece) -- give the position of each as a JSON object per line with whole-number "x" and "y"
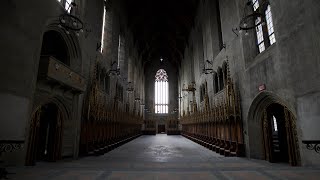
{"x": 54, "y": 70}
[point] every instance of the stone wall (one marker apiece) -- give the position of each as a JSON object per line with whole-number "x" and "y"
{"x": 23, "y": 25}
{"x": 289, "y": 68}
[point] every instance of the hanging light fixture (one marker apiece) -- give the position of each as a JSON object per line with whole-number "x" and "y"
{"x": 69, "y": 21}
{"x": 137, "y": 99}
{"x": 130, "y": 87}
{"x": 115, "y": 70}
{"x": 248, "y": 20}
{"x": 207, "y": 70}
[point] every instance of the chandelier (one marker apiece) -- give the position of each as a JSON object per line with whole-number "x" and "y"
{"x": 70, "y": 22}
{"x": 251, "y": 19}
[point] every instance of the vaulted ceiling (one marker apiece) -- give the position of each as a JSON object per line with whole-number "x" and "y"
{"x": 161, "y": 27}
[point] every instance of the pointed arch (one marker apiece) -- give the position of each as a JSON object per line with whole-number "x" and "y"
{"x": 161, "y": 92}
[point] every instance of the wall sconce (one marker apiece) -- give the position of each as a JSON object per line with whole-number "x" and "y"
{"x": 115, "y": 70}
{"x": 130, "y": 87}
{"x": 207, "y": 70}
{"x": 190, "y": 88}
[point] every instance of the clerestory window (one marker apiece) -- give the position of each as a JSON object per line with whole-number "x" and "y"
{"x": 103, "y": 27}
{"x": 265, "y": 31}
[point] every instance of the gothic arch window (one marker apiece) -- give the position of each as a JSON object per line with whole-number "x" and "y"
{"x": 161, "y": 92}
{"x": 265, "y": 32}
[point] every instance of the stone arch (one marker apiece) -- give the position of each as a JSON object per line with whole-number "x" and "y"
{"x": 54, "y": 45}
{"x": 71, "y": 41}
{"x": 62, "y": 114}
{"x": 255, "y": 123}
{"x": 57, "y": 101}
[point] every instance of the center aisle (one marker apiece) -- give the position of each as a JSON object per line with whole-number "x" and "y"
{"x": 162, "y": 157}
{"x": 161, "y": 148}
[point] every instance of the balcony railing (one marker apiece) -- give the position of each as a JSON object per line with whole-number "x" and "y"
{"x": 55, "y": 71}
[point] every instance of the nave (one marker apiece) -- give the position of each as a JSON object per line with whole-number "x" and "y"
{"x": 162, "y": 157}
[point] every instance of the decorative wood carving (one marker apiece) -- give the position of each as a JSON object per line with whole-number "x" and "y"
{"x": 105, "y": 125}
{"x": 219, "y": 127}
{"x": 292, "y": 138}
{"x": 53, "y": 70}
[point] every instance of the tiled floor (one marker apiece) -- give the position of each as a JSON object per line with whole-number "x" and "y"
{"x": 162, "y": 157}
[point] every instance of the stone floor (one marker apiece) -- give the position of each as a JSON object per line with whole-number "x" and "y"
{"x": 162, "y": 157}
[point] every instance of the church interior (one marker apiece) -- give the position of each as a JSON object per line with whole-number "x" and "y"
{"x": 160, "y": 89}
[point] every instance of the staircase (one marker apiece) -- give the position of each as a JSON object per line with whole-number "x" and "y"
{"x": 276, "y": 145}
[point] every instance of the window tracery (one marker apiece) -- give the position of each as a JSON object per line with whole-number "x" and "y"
{"x": 161, "y": 92}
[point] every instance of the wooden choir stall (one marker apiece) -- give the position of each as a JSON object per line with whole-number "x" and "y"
{"x": 150, "y": 126}
{"x": 172, "y": 125}
{"x": 218, "y": 128}
{"x": 105, "y": 127}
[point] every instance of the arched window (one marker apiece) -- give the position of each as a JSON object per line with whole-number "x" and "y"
{"x": 269, "y": 21}
{"x": 265, "y": 34}
{"x": 66, "y": 4}
{"x": 161, "y": 92}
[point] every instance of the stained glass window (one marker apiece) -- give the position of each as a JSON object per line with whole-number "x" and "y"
{"x": 161, "y": 92}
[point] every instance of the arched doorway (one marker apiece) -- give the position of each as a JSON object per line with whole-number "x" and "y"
{"x": 45, "y": 134}
{"x": 272, "y": 123}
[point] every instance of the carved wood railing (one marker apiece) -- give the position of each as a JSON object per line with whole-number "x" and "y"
{"x": 218, "y": 128}
{"x": 52, "y": 70}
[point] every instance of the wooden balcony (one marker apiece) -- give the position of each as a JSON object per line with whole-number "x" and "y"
{"x": 55, "y": 72}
